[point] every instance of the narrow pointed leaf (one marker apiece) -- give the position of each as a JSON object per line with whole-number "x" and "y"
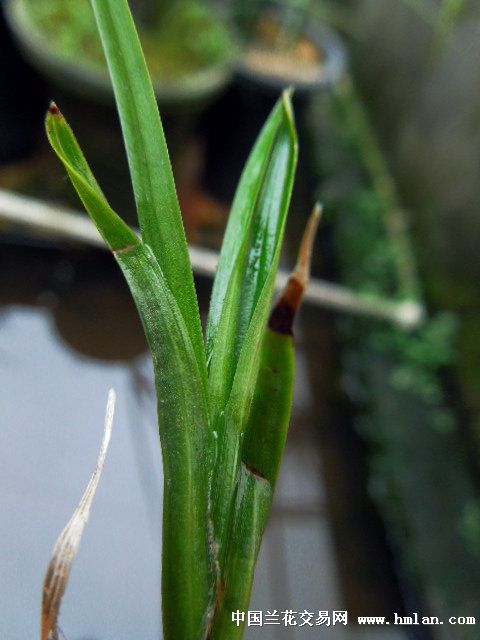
{"x": 257, "y": 455}
{"x": 114, "y": 231}
{"x": 182, "y": 405}
{"x": 246, "y": 375}
{"x": 68, "y": 543}
{"x": 151, "y": 173}
{"x": 236, "y": 328}
{"x": 253, "y": 427}
{"x": 240, "y": 218}
{"x": 245, "y": 277}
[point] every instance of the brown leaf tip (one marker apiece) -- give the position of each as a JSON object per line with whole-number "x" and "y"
{"x": 54, "y": 110}
{"x": 283, "y": 313}
{"x": 302, "y": 268}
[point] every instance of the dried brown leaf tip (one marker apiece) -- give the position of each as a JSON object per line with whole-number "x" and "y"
{"x": 54, "y": 110}
{"x": 68, "y": 543}
{"x": 283, "y": 313}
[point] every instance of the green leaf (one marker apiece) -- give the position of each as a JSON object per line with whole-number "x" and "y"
{"x": 250, "y": 252}
{"x": 251, "y": 441}
{"x": 252, "y": 504}
{"x": 182, "y": 402}
{"x": 253, "y": 239}
{"x": 113, "y": 230}
{"x": 183, "y": 423}
{"x": 153, "y": 185}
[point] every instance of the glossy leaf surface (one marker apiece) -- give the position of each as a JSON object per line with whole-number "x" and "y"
{"x": 242, "y": 296}
{"x": 151, "y": 173}
{"x": 250, "y": 252}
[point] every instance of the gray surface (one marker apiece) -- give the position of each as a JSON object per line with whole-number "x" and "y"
{"x": 52, "y": 405}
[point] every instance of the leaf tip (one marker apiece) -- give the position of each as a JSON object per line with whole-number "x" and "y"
{"x": 287, "y": 102}
{"x": 317, "y": 212}
{"x": 288, "y": 110}
{"x": 283, "y": 313}
{"x": 54, "y": 111}
{"x": 288, "y": 93}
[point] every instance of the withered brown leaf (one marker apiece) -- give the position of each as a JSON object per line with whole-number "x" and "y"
{"x": 68, "y": 542}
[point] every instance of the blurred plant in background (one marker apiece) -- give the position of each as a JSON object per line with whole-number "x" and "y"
{"x": 417, "y": 69}
{"x": 178, "y": 38}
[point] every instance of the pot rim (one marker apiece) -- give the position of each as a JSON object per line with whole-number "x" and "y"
{"x": 85, "y": 80}
{"x": 324, "y": 37}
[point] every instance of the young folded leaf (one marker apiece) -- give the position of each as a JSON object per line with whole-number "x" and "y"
{"x": 242, "y": 296}
{"x": 68, "y": 543}
{"x": 251, "y": 250}
{"x": 263, "y": 444}
{"x": 216, "y": 496}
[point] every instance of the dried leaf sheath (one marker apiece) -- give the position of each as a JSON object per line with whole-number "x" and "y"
{"x": 68, "y": 543}
{"x": 266, "y": 430}
{"x": 283, "y": 313}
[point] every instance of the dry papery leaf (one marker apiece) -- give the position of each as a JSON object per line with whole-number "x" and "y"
{"x": 68, "y": 542}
